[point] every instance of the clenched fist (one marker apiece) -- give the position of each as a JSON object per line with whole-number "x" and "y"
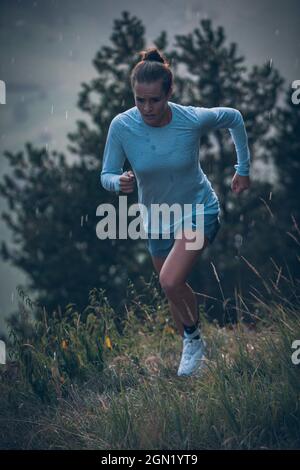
{"x": 127, "y": 182}
{"x": 240, "y": 183}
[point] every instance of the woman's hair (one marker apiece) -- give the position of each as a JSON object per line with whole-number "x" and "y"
{"x": 153, "y": 66}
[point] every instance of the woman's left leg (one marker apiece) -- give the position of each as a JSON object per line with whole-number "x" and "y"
{"x": 173, "y": 275}
{"x": 158, "y": 263}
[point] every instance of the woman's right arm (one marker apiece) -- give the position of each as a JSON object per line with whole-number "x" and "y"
{"x": 113, "y": 158}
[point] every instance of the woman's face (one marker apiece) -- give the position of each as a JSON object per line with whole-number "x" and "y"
{"x": 152, "y": 102}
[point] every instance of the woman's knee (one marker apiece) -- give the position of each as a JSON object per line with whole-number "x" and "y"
{"x": 169, "y": 283}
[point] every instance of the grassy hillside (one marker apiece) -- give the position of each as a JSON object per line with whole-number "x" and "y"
{"x": 80, "y": 383}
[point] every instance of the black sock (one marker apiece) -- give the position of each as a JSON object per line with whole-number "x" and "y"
{"x": 190, "y": 329}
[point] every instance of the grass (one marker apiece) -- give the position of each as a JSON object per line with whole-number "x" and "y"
{"x": 248, "y": 398}
{"x": 123, "y": 392}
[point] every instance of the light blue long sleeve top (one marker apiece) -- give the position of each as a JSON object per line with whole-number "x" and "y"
{"x": 165, "y": 160}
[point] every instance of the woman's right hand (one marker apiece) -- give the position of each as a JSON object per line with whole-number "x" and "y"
{"x": 127, "y": 182}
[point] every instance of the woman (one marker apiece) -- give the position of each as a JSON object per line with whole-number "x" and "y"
{"x": 161, "y": 141}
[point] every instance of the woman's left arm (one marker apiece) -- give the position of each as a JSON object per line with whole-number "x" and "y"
{"x": 231, "y": 119}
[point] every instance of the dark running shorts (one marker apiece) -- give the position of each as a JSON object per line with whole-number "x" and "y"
{"x": 161, "y": 247}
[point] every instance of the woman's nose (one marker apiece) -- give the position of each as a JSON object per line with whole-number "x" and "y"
{"x": 147, "y": 107}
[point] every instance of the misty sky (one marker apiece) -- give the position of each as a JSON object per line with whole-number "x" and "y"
{"x": 46, "y": 52}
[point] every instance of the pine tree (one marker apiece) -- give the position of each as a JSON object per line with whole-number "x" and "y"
{"x": 52, "y": 205}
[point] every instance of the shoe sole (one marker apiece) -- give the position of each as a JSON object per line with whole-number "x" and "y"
{"x": 198, "y": 371}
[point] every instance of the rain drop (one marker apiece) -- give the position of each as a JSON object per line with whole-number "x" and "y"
{"x": 238, "y": 240}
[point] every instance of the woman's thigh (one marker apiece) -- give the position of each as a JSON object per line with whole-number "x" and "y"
{"x": 186, "y": 250}
{"x": 180, "y": 261}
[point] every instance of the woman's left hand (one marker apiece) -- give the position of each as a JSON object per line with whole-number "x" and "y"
{"x": 240, "y": 183}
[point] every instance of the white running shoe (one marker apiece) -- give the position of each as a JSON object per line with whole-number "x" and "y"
{"x": 192, "y": 358}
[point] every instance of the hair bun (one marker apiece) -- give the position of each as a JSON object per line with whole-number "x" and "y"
{"x": 153, "y": 55}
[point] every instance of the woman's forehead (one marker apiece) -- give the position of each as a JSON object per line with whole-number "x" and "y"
{"x": 148, "y": 89}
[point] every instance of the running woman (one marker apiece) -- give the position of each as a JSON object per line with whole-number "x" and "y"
{"x": 161, "y": 141}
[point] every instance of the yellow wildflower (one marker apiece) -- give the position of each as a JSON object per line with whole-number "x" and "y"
{"x": 108, "y": 342}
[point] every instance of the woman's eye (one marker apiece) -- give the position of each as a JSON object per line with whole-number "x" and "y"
{"x": 151, "y": 101}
